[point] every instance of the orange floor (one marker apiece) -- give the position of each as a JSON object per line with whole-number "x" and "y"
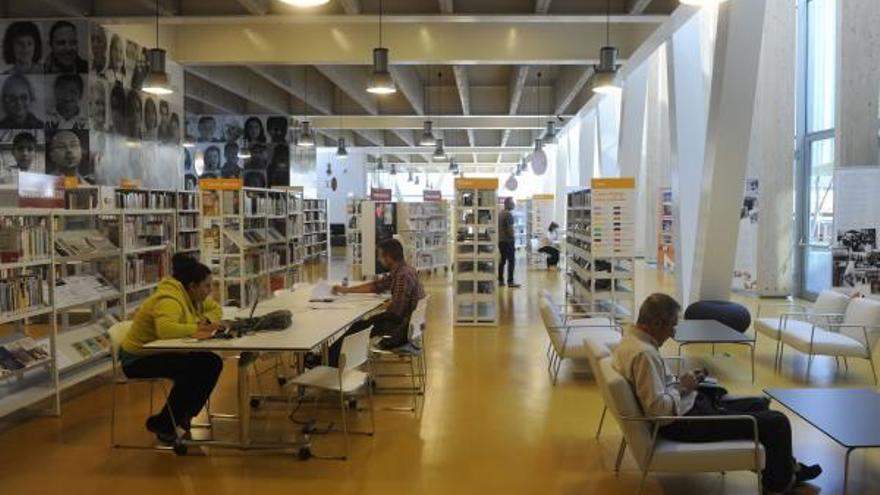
{"x": 491, "y": 423}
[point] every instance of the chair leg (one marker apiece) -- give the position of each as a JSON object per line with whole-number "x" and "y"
{"x": 778, "y": 356}
{"x": 343, "y": 407}
{"x": 642, "y": 482}
{"x": 845, "y": 366}
{"x": 873, "y": 370}
{"x": 809, "y": 364}
{"x": 372, "y": 410}
{"x": 113, "y": 414}
{"x": 601, "y": 421}
{"x": 620, "y": 451}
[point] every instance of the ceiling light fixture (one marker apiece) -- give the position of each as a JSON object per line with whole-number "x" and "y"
{"x": 329, "y": 169}
{"x": 381, "y": 82}
{"x": 428, "y": 138}
{"x": 539, "y": 158}
{"x": 341, "y": 152}
{"x": 393, "y": 169}
{"x": 511, "y": 184}
{"x": 306, "y": 3}
{"x": 156, "y": 82}
{"x": 380, "y": 165}
{"x": 701, "y": 3}
{"x": 439, "y": 151}
{"x": 606, "y": 71}
{"x": 306, "y": 137}
{"x": 189, "y": 141}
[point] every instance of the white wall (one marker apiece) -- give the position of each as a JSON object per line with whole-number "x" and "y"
{"x": 350, "y": 177}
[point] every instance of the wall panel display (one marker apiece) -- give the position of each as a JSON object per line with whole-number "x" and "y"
{"x": 855, "y": 254}
{"x": 746, "y": 265}
{"x": 71, "y": 104}
{"x": 255, "y": 148}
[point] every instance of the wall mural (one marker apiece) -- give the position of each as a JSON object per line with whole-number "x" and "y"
{"x": 254, "y": 148}
{"x": 70, "y": 104}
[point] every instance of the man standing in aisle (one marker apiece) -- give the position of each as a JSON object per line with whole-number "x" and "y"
{"x": 506, "y": 243}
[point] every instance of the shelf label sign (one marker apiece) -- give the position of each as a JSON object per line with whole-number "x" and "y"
{"x": 473, "y": 183}
{"x": 40, "y": 190}
{"x": 432, "y": 196}
{"x": 231, "y": 184}
{"x": 379, "y": 194}
{"x": 129, "y": 184}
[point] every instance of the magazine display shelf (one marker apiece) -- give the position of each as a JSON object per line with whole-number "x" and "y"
{"x": 476, "y": 252}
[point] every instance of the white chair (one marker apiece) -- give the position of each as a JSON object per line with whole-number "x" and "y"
{"x": 117, "y": 334}
{"x": 655, "y": 454}
{"x": 828, "y": 308}
{"x": 346, "y": 379}
{"x": 412, "y": 353}
{"x": 567, "y": 335}
{"x": 856, "y": 336}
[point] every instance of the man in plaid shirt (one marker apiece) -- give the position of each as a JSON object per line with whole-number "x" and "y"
{"x": 406, "y": 290}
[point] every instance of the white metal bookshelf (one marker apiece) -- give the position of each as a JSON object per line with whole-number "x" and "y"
{"x": 665, "y": 239}
{"x": 315, "y": 230}
{"x": 540, "y": 214}
{"x": 600, "y": 239}
{"x": 423, "y": 229}
{"x": 476, "y": 252}
{"x": 187, "y": 223}
{"x": 357, "y": 235}
{"x": 294, "y": 235}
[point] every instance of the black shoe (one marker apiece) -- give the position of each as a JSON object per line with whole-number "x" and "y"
{"x": 500, "y": 283}
{"x": 311, "y": 360}
{"x": 164, "y": 432}
{"x": 514, "y": 286}
{"x": 806, "y": 473}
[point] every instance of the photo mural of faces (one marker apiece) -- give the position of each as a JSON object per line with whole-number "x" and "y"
{"x": 254, "y": 148}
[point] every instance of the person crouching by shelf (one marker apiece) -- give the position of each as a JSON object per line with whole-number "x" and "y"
{"x": 181, "y": 307}
{"x": 406, "y": 290}
{"x": 550, "y": 245}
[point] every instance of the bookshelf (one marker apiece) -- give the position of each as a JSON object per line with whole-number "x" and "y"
{"x": 540, "y": 214}
{"x": 28, "y": 374}
{"x": 356, "y": 237}
{"x": 665, "y": 239}
{"x": 600, "y": 240}
{"x": 315, "y": 230}
{"x": 294, "y": 235}
{"x": 187, "y": 220}
{"x": 476, "y": 252}
{"x": 423, "y": 229}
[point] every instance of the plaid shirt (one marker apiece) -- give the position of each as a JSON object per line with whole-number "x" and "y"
{"x": 406, "y": 290}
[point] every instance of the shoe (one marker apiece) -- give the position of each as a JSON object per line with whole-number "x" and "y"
{"x": 514, "y": 286}
{"x": 164, "y": 433}
{"x": 500, "y": 283}
{"x": 806, "y": 473}
{"x": 311, "y": 360}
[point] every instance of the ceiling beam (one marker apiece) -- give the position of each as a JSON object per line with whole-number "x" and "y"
{"x": 410, "y": 84}
{"x": 166, "y": 8}
{"x": 208, "y": 94}
{"x": 351, "y": 7}
{"x": 570, "y": 81}
{"x": 464, "y": 94}
{"x": 446, "y": 6}
{"x": 65, "y": 7}
{"x": 255, "y": 7}
{"x": 542, "y": 6}
{"x": 413, "y": 150}
{"x": 248, "y": 85}
{"x": 250, "y": 39}
{"x": 517, "y": 84}
{"x": 637, "y": 7}
{"x": 440, "y": 122}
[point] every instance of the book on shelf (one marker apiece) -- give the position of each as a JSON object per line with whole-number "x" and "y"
{"x": 210, "y": 203}
{"x": 21, "y": 292}
{"x": 82, "y": 242}
{"x": 78, "y": 289}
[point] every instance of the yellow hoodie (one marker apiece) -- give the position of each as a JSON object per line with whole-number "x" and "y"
{"x": 168, "y": 314}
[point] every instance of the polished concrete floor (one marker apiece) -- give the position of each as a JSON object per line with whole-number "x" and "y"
{"x": 491, "y": 423}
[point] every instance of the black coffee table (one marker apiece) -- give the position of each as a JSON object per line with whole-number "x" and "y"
{"x": 846, "y": 415}
{"x": 712, "y": 332}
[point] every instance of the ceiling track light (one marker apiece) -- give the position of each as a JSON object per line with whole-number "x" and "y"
{"x": 428, "y": 138}
{"x": 156, "y": 82}
{"x": 341, "y": 152}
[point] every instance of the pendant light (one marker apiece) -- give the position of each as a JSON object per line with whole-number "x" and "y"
{"x": 244, "y": 153}
{"x": 427, "y": 138}
{"x": 329, "y": 169}
{"x": 409, "y": 177}
{"x": 393, "y": 169}
{"x": 306, "y": 137}
{"x": 439, "y": 151}
{"x": 189, "y": 141}
{"x": 511, "y": 184}
{"x": 381, "y": 82}
{"x": 156, "y": 82}
{"x": 341, "y": 152}
{"x": 417, "y": 180}
{"x": 606, "y": 71}
{"x": 306, "y": 3}
{"x": 380, "y": 165}
{"x": 452, "y": 165}
{"x": 701, "y": 3}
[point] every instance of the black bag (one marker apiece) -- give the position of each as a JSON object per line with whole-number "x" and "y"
{"x": 276, "y": 320}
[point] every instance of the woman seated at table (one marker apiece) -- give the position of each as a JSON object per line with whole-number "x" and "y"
{"x": 181, "y": 307}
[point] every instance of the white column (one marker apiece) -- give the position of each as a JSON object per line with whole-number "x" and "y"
{"x": 858, "y": 82}
{"x": 588, "y": 151}
{"x": 731, "y": 111}
{"x": 771, "y": 153}
{"x": 687, "y": 131}
{"x": 656, "y": 153}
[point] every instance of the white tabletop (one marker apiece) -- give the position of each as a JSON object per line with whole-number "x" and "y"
{"x": 313, "y": 324}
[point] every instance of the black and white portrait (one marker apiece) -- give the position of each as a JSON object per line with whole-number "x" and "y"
{"x": 253, "y": 131}
{"x": 115, "y": 71}
{"x": 211, "y": 163}
{"x": 151, "y": 119}
{"x": 134, "y": 112}
{"x": 231, "y": 162}
{"x": 98, "y": 105}
{"x": 68, "y": 104}
{"x": 23, "y": 105}
{"x": 22, "y": 48}
{"x": 21, "y": 151}
{"x": 64, "y": 44}
{"x": 67, "y": 154}
{"x": 277, "y": 126}
{"x": 98, "y": 47}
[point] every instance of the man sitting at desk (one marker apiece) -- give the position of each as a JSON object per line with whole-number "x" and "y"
{"x": 181, "y": 307}
{"x": 638, "y": 360}
{"x": 406, "y": 290}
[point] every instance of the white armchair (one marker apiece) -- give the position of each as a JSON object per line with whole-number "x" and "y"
{"x": 567, "y": 334}
{"x": 828, "y": 308}
{"x": 856, "y": 336}
{"x": 655, "y": 454}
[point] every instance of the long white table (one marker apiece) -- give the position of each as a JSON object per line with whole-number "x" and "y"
{"x": 314, "y": 324}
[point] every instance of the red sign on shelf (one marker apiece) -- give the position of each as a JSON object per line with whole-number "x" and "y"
{"x": 40, "y": 190}
{"x": 432, "y": 196}
{"x": 378, "y": 194}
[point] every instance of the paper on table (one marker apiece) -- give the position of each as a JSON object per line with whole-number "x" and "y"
{"x": 322, "y": 292}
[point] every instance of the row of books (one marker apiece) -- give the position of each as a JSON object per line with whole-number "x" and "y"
{"x": 256, "y": 205}
{"x": 21, "y": 293}
{"x": 187, "y": 222}
{"x": 145, "y": 200}
{"x": 92, "y": 346}
{"x": 143, "y": 231}
{"x": 188, "y": 240}
{"x": 22, "y": 354}
{"x": 82, "y": 242}
{"x": 277, "y": 205}
{"x": 187, "y": 201}
{"x": 144, "y": 270}
{"x": 23, "y": 239}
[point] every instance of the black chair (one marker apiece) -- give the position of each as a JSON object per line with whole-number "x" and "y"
{"x": 732, "y": 314}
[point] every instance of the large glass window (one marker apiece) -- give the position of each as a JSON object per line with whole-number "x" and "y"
{"x": 821, "y": 56}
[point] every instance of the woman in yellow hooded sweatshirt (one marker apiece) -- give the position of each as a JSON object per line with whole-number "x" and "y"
{"x": 181, "y": 307}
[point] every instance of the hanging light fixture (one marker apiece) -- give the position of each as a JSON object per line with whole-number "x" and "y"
{"x": 306, "y": 137}
{"x": 306, "y": 3}
{"x": 606, "y": 71}
{"x": 380, "y": 165}
{"x": 189, "y": 141}
{"x": 701, "y": 3}
{"x": 539, "y": 158}
{"x": 417, "y": 180}
{"x": 439, "y": 151}
{"x": 452, "y": 165}
{"x": 511, "y": 184}
{"x": 409, "y": 177}
{"x": 156, "y": 82}
{"x": 428, "y": 138}
{"x": 244, "y": 153}
{"x": 393, "y": 169}
{"x": 550, "y": 132}
{"x": 329, "y": 169}
{"x": 381, "y": 82}
{"x": 341, "y": 152}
